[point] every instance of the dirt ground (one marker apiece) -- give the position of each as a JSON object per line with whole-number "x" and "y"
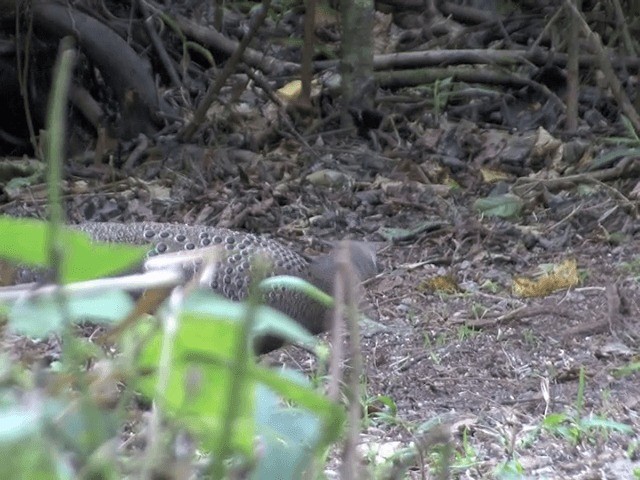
{"x": 490, "y": 365}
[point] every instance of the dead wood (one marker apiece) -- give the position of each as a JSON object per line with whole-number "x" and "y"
{"x": 217, "y": 41}
{"x": 126, "y": 72}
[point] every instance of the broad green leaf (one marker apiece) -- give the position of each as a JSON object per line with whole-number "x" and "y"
{"x": 37, "y": 317}
{"x": 503, "y": 206}
{"x": 289, "y": 436}
{"x": 605, "y": 424}
{"x": 23, "y": 450}
{"x": 200, "y": 376}
{"x": 18, "y": 423}
{"x": 332, "y": 415}
{"x": 83, "y": 424}
{"x": 268, "y": 321}
{"x": 27, "y": 459}
{"x": 25, "y": 242}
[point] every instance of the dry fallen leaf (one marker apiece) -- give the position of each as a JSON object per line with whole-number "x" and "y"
{"x": 442, "y": 284}
{"x": 561, "y": 277}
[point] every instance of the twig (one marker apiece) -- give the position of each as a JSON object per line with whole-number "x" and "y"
{"x": 537, "y": 57}
{"x": 143, "y": 281}
{"x": 607, "y": 68}
{"x": 158, "y": 45}
{"x": 573, "y": 80}
{"x": 215, "y": 40}
{"x": 237, "y": 377}
{"x": 408, "y": 78}
{"x": 153, "y": 451}
{"x": 517, "y": 314}
{"x": 306, "y": 73}
{"x": 23, "y": 54}
{"x": 622, "y": 24}
{"x": 337, "y": 339}
{"x": 628, "y": 166}
{"x": 213, "y": 91}
{"x": 346, "y": 285}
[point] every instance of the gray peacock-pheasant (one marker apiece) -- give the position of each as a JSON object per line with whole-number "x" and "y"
{"x": 233, "y": 274}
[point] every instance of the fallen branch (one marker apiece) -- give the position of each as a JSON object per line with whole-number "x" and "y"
{"x": 126, "y": 72}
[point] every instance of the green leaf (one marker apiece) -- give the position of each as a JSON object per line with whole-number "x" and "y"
{"x": 331, "y": 414}
{"x": 27, "y": 459}
{"x": 268, "y": 321}
{"x": 626, "y": 370}
{"x": 201, "y": 371}
{"x": 289, "y": 436}
{"x": 617, "y": 153}
{"x": 503, "y": 206}
{"x": 603, "y": 423}
{"x": 386, "y": 401}
{"x": 37, "y": 317}
{"x": 200, "y": 375}
{"x": 25, "y": 242}
{"x": 295, "y": 283}
{"x": 510, "y": 470}
{"x": 18, "y": 423}
{"x": 554, "y": 419}
{"x": 82, "y": 424}
{"x": 23, "y": 448}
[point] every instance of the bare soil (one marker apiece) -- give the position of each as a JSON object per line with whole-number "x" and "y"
{"x": 490, "y": 365}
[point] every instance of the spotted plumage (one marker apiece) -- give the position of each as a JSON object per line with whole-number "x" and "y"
{"x": 233, "y": 274}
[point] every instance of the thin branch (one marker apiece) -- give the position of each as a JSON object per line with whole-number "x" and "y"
{"x": 200, "y": 114}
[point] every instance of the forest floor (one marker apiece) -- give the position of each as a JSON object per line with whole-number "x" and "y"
{"x": 503, "y": 372}
{"x": 539, "y": 387}
{"x": 526, "y": 381}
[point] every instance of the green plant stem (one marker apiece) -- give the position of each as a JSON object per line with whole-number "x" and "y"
{"x": 165, "y": 364}
{"x": 238, "y": 376}
{"x": 55, "y": 148}
{"x": 56, "y": 134}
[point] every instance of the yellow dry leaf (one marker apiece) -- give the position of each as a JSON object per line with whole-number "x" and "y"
{"x": 442, "y": 284}
{"x": 290, "y": 91}
{"x": 491, "y": 176}
{"x": 561, "y": 277}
